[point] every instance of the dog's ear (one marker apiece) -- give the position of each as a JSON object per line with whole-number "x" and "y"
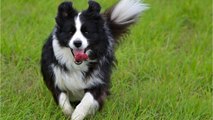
{"x": 93, "y": 9}
{"x": 65, "y": 11}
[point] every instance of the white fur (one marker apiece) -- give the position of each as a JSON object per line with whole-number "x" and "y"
{"x": 68, "y": 80}
{"x": 64, "y": 103}
{"x": 72, "y": 80}
{"x": 88, "y": 105}
{"x": 127, "y": 9}
{"x": 65, "y": 57}
{"x": 78, "y": 34}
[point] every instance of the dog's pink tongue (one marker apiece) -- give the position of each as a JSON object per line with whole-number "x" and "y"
{"x": 79, "y": 55}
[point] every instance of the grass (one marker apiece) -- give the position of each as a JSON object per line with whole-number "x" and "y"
{"x": 164, "y": 66}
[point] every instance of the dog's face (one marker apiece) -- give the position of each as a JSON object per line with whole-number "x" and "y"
{"x": 82, "y": 32}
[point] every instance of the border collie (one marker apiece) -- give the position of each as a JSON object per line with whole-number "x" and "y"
{"x": 78, "y": 57}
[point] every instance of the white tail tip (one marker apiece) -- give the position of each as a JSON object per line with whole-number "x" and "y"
{"x": 127, "y": 11}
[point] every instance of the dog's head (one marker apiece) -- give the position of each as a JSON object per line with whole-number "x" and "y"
{"x": 82, "y": 32}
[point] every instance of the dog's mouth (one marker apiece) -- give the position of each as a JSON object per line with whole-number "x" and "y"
{"x": 79, "y": 56}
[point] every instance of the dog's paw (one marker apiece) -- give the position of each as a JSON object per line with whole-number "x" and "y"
{"x": 77, "y": 115}
{"x": 67, "y": 110}
{"x": 65, "y": 105}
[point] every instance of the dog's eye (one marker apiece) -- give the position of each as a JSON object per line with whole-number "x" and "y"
{"x": 72, "y": 31}
{"x": 85, "y": 32}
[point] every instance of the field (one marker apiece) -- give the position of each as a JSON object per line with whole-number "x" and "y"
{"x": 164, "y": 68}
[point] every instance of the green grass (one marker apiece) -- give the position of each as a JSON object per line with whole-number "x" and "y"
{"x": 164, "y": 66}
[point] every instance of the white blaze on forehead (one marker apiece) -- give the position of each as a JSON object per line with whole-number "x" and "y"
{"x": 78, "y": 22}
{"x": 78, "y": 35}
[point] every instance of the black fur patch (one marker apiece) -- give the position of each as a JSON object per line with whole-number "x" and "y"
{"x": 65, "y": 23}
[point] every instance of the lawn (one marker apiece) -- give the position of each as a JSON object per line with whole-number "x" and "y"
{"x": 164, "y": 68}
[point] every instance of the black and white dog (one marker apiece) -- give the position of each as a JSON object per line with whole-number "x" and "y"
{"x": 78, "y": 57}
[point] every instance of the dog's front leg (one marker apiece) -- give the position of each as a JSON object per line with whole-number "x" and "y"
{"x": 64, "y": 104}
{"x": 88, "y": 105}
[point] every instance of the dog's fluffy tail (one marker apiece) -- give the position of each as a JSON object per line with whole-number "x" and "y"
{"x": 122, "y": 15}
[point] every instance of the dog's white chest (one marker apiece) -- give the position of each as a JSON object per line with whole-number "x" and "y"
{"x": 72, "y": 81}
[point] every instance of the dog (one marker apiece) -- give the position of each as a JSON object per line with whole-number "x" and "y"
{"x": 79, "y": 55}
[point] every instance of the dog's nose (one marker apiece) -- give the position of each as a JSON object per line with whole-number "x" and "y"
{"x": 77, "y": 43}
